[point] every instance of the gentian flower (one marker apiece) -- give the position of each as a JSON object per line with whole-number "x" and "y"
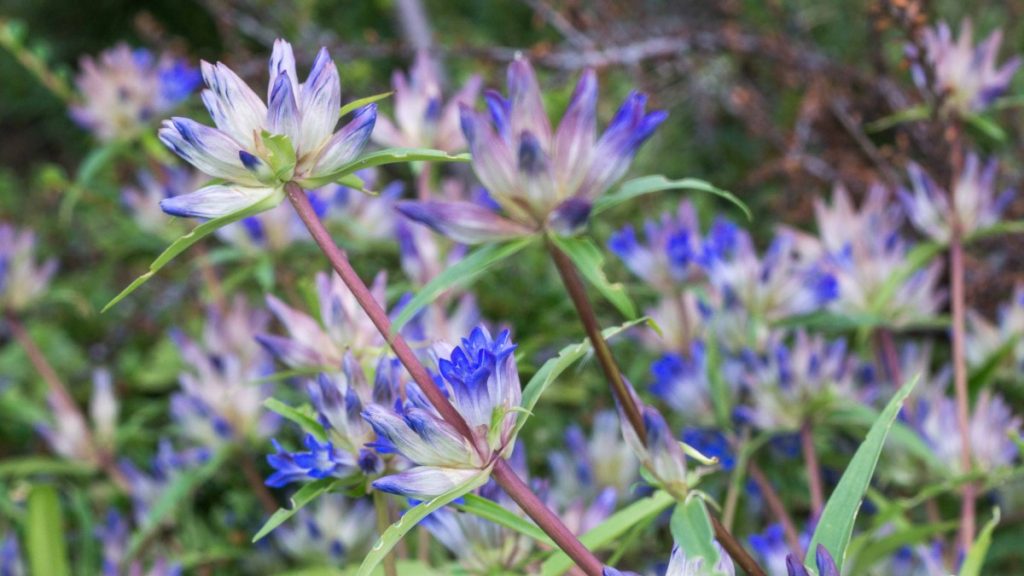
{"x": 480, "y": 379}
{"x": 965, "y": 76}
{"x": 660, "y": 453}
{"x": 126, "y": 89}
{"x": 680, "y": 565}
{"x": 672, "y": 254}
{"x": 276, "y": 229}
{"x": 329, "y": 530}
{"x": 977, "y": 207}
{"x": 991, "y": 425}
{"x": 541, "y": 180}
{"x": 589, "y": 466}
{"x": 10, "y": 556}
{"x": 70, "y": 435}
{"x": 258, "y": 148}
{"x": 771, "y": 549}
{"x": 681, "y": 381}
{"x": 145, "y": 488}
{"x": 114, "y": 534}
{"x": 985, "y": 338}
{"x": 822, "y": 558}
{"x": 143, "y": 199}
{"x": 321, "y": 460}
{"x": 22, "y": 281}
{"x": 351, "y": 209}
{"x": 422, "y": 120}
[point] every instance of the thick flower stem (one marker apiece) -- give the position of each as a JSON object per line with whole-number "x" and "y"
{"x": 504, "y": 475}
{"x": 380, "y": 506}
{"x": 814, "y": 479}
{"x": 578, "y": 293}
{"x": 956, "y": 265}
{"x": 62, "y": 396}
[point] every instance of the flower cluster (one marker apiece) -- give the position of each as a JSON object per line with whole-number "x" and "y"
{"x": 22, "y": 280}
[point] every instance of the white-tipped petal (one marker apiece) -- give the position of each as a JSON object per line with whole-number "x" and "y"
{"x": 211, "y": 151}
{"x": 214, "y": 201}
{"x": 235, "y": 108}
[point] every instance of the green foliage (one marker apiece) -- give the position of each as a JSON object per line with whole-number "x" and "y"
{"x": 46, "y": 540}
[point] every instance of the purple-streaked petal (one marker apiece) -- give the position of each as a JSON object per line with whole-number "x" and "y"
{"x": 234, "y": 107}
{"x": 213, "y": 152}
{"x": 630, "y": 128}
{"x": 348, "y": 143}
{"x": 214, "y": 201}
{"x": 826, "y": 564}
{"x": 320, "y": 102}
{"x": 463, "y": 221}
{"x": 527, "y": 108}
{"x": 493, "y": 160}
{"x": 283, "y": 111}
{"x": 574, "y": 141}
{"x": 282, "y": 60}
{"x": 424, "y": 482}
{"x": 570, "y": 216}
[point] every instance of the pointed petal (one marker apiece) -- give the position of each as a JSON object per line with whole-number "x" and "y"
{"x": 282, "y": 60}
{"x": 213, "y": 152}
{"x": 320, "y": 102}
{"x": 493, "y": 160}
{"x": 462, "y": 221}
{"x": 235, "y": 108}
{"x": 424, "y": 482}
{"x": 213, "y": 201}
{"x": 348, "y": 143}
{"x": 283, "y": 111}
{"x": 576, "y": 135}
{"x": 527, "y": 107}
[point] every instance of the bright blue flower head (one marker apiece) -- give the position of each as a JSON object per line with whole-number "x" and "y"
{"x": 321, "y": 460}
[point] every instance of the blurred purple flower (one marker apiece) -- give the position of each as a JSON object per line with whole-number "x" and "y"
{"x": 22, "y": 280}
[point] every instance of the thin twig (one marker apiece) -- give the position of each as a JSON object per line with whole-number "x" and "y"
{"x": 255, "y": 480}
{"x": 814, "y": 479}
{"x": 775, "y": 505}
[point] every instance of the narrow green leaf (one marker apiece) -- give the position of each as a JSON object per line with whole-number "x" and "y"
{"x": 303, "y": 496}
{"x": 607, "y": 532}
{"x": 985, "y": 126}
{"x": 382, "y": 157}
{"x": 657, "y": 183}
{"x": 394, "y": 533}
{"x": 836, "y": 524}
{"x": 979, "y": 550}
{"x": 861, "y": 417}
{"x": 490, "y": 510}
{"x": 554, "y": 367}
{"x": 91, "y": 166}
{"x": 357, "y": 104}
{"x": 32, "y": 465}
{"x": 197, "y": 234}
{"x": 914, "y": 113}
{"x": 997, "y": 229}
{"x": 306, "y": 422}
{"x": 45, "y": 540}
{"x": 922, "y": 254}
{"x": 831, "y": 322}
{"x": 589, "y": 261}
{"x": 876, "y": 550}
{"x": 461, "y": 274}
{"x": 981, "y": 375}
{"x": 692, "y": 531}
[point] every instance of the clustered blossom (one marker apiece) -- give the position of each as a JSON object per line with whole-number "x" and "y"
{"x": 146, "y": 488}
{"x": 257, "y": 148}
{"x": 680, "y": 565}
{"x": 330, "y": 530}
{"x": 992, "y": 424}
{"x": 126, "y": 89}
{"x": 966, "y": 77}
{"x": 22, "y": 280}
{"x": 986, "y": 339}
{"x": 480, "y": 379}
{"x": 143, "y": 199}
{"x": 974, "y": 208}
{"x": 422, "y": 120}
{"x": 70, "y": 436}
{"x": 673, "y": 252}
{"x": 541, "y": 180}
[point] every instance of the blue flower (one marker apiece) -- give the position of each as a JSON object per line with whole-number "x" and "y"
{"x": 673, "y": 251}
{"x": 823, "y": 559}
{"x": 320, "y": 461}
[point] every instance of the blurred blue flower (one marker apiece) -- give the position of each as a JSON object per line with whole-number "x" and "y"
{"x": 672, "y": 254}
{"x": 822, "y": 558}
{"x": 321, "y": 460}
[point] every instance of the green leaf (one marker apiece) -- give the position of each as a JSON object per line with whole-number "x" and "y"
{"x": 831, "y": 322}
{"x": 976, "y": 555}
{"x": 32, "y": 465}
{"x": 461, "y": 274}
{"x": 357, "y": 104}
{"x": 382, "y": 157}
{"x": 173, "y": 497}
{"x": 650, "y": 184}
{"x": 197, "y": 234}
{"x": 692, "y": 531}
{"x": 394, "y": 533}
{"x": 605, "y": 533}
{"x": 303, "y": 496}
{"x": 985, "y": 126}
{"x": 306, "y": 422}
{"x": 836, "y": 524}
{"x": 912, "y": 114}
{"x": 997, "y": 229}
{"x": 862, "y": 416}
{"x": 589, "y": 260}
{"x": 45, "y": 540}
{"x": 554, "y": 367}
{"x": 981, "y": 375}
{"x": 490, "y": 510}
{"x": 88, "y": 170}
{"x": 876, "y": 550}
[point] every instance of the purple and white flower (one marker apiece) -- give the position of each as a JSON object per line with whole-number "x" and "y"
{"x": 966, "y": 77}
{"x": 660, "y": 453}
{"x": 330, "y": 530}
{"x": 822, "y": 559}
{"x": 480, "y": 379}
{"x": 991, "y": 425}
{"x": 152, "y": 187}
{"x": 258, "y": 148}
{"x": 673, "y": 252}
{"x": 146, "y": 488}
{"x": 681, "y": 381}
{"x": 680, "y": 565}
{"x": 540, "y": 179}
{"x": 70, "y": 436}
{"x": 125, "y": 90}
{"x": 975, "y": 205}
{"x": 422, "y": 120}
{"x": 985, "y": 338}
{"x": 22, "y": 280}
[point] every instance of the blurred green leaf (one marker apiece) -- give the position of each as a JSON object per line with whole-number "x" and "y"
{"x": 912, "y": 114}
{"x": 692, "y": 531}
{"x": 303, "y": 496}
{"x": 306, "y": 422}
{"x": 490, "y": 510}
{"x": 589, "y": 260}
{"x": 649, "y": 184}
{"x": 383, "y": 157}
{"x": 45, "y": 539}
{"x": 979, "y": 550}
{"x": 835, "y": 526}
{"x": 356, "y": 104}
{"x": 32, "y": 465}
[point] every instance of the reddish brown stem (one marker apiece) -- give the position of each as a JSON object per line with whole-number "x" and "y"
{"x": 502, "y": 473}
{"x": 255, "y": 480}
{"x": 814, "y": 479}
{"x": 778, "y": 510}
{"x": 969, "y": 493}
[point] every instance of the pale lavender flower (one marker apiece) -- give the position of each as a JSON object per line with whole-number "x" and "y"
{"x": 422, "y": 120}
{"x": 10, "y": 556}
{"x": 126, "y": 90}
{"x": 352, "y": 210}
{"x": 985, "y": 338}
{"x": 588, "y": 466}
{"x": 480, "y": 379}
{"x": 221, "y": 399}
{"x": 672, "y": 254}
{"x": 257, "y": 148}
{"x": 681, "y": 381}
{"x": 965, "y": 76}
{"x": 542, "y": 180}
{"x": 826, "y": 565}
{"x": 683, "y": 319}
{"x": 991, "y": 424}
{"x": 143, "y": 199}
{"x": 146, "y": 488}
{"x": 276, "y": 229}
{"x": 70, "y": 435}
{"x": 680, "y": 565}
{"x": 114, "y": 535}
{"x": 660, "y": 453}
{"x": 342, "y": 326}
{"x": 330, "y": 530}
{"x": 22, "y": 280}
{"x": 976, "y": 205}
